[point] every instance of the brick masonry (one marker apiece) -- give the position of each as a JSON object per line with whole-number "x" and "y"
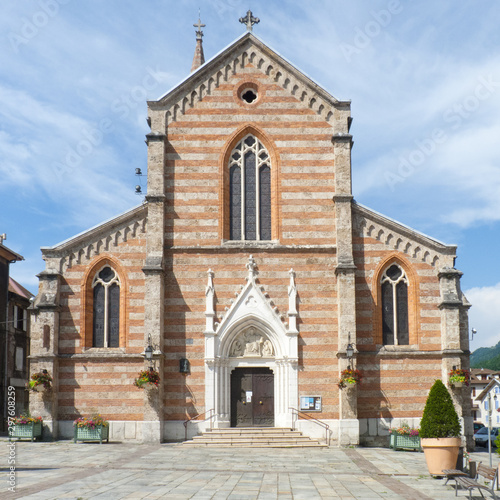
{"x": 163, "y": 250}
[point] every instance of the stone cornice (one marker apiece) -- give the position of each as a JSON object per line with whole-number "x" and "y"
{"x": 341, "y": 137}
{"x": 156, "y": 198}
{"x": 450, "y": 304}
{"x": 254, "y": 247}
{"x": 42, "y": 357}
{"x": 345, "y": 269}
{"x": 404, "y": 351}
{"x": 155, "y": 137}
{"x": 103, "y": 355}
{"x": 342, "y": 198}
{"x": 449, "y": 272}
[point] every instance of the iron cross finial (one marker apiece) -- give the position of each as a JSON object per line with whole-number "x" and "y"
{"x": 199, "y": 33}
{"x": 249, "y": 20}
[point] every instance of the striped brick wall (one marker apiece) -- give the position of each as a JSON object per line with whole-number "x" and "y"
{"x": 95, "y": 382}
{"x": 390, "y": 377}
{"x": 302, "y": 162}
{"x": 185, "y": 306}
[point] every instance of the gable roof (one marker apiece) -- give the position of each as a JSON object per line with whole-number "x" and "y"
{"x": 15, "y": 287}
{"x": 395, "y": 235}
{"x": 100, "y": 238}
{"x": 493, "y": 382}
{"x": 8, "y": 254}
{"x": 248, "y": 48}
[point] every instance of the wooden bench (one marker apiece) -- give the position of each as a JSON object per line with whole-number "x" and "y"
{"x": 484, "y": 472}
{"x": 453, "y": 473}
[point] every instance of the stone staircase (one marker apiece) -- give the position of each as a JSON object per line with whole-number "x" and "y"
{"x": 254, "y": 437}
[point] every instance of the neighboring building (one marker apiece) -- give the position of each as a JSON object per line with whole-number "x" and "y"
{"x": 14, "y": 334}
{"x": 250, "y": 260}
{"x": 19, "y": 329}
{"x": 479, "y": 380}
{"x": 490, "y": 395}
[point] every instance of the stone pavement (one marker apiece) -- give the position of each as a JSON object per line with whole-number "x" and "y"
{"x": 64, "y": 470}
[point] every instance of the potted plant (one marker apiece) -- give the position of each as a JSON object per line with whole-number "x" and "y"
{"x": 349, "y": 378}
{"x": 148, "y": 379}
{"x": 40, "y": 381}
{"x": 440, "y": 430}
{"x": 93, "y": 428}
{"x": 405, "y": 437}
{"x": 458, "y": 377}
{"x": 25, "y": 426}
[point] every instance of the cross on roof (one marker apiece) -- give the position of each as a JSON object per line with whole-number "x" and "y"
{"x": 199, "y": 33}
{"x": 249, "y": 20}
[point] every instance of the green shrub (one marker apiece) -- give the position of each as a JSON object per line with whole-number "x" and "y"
{"x": 497, "y": 444}
{"x": 440, "y": 419}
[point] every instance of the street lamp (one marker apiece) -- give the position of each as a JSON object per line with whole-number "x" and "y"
{"x": 489, "y": 422}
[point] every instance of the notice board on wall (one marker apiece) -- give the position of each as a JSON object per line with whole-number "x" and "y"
{"x": 310, "y": 403}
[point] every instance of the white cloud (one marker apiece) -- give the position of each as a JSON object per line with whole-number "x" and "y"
{"x": 484, "y": 315}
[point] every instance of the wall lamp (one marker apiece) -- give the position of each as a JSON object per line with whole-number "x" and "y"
{"x": 184, "y": 366}
{"x": 349, "y": 350}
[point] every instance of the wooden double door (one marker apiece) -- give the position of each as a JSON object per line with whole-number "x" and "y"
{"x": 252, "y": 397}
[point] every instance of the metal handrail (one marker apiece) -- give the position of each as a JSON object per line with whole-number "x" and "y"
{"x": 297, "y": 413}
{"x": 186, "y": 422}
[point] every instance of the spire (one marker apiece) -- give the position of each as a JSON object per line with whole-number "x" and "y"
{"x": 199, "y": 56}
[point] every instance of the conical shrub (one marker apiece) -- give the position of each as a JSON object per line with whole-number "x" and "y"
{"x": 440, "y": 419}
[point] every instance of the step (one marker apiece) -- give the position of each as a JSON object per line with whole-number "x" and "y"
{"x": 254, "y": 437}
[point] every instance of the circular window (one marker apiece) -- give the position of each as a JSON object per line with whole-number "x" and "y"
{"x": 249, "y": 96}
{"x": 247, "y": 93}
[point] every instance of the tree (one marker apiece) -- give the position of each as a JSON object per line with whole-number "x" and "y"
{"x": 440, "y": 419}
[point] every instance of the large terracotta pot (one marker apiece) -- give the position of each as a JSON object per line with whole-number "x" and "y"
{"x": 440, "y": 453}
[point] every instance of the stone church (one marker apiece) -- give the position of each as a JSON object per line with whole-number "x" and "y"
{"x": 251, "y": 274}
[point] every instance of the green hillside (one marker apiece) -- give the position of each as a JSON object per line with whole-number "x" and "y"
{"x": 486, "y": 357}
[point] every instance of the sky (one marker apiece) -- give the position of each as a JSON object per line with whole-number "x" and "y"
{"x": 423, "y": 78}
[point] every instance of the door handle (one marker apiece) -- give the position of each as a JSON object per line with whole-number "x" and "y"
{"x": 260, "y": 402}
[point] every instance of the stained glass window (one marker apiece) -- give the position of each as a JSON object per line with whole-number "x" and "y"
{"x": 265, "y": 202}
{"x": 235, "y": 202}
{"x": 394, "y": 288}
{"x": 106, "y": 309}
{"x": 250, "y": 197}
{"x": 249, "y": 191}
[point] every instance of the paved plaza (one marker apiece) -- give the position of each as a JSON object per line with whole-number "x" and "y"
{"x": 64, "y": 470}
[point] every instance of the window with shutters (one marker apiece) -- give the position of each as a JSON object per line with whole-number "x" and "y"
{"x": 249, "y": 191}
{"x": 394, "y": 293}
{"x": 106, "y": 308}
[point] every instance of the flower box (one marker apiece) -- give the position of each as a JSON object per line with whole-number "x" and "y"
{"x": 26, "y": 431}
{"x": 405, "y": 441}
{"x": 98, "y": 433}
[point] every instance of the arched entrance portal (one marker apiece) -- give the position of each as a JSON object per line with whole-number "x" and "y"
{"x": 250, "y": 341}
{"x": 252, "y": 397}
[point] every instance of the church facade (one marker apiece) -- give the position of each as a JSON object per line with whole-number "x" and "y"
{"x": 251, "y": 273}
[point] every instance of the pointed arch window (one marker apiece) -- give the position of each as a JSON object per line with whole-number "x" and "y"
{"x": 106, "y": 308}
{"x": 250, "y": 191}
{"x": 394, "y": 285}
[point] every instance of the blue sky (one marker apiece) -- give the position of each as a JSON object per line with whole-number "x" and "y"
{"x": 423, "y": 77}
